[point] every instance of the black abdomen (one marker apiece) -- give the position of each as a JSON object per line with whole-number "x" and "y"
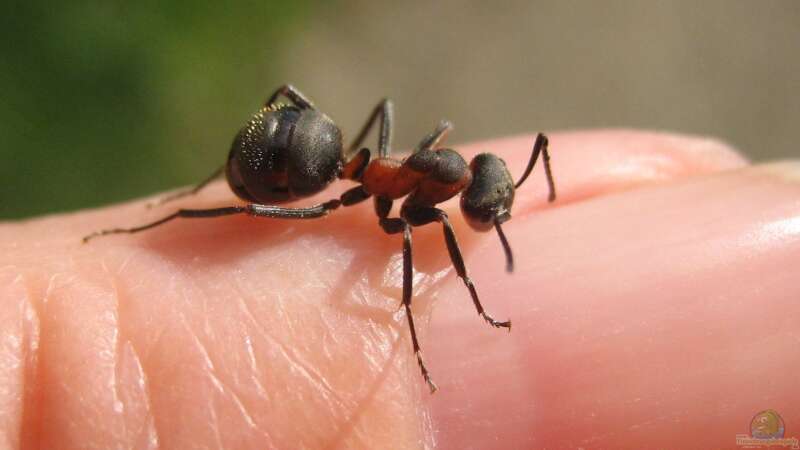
{"x": 283, "y": 154}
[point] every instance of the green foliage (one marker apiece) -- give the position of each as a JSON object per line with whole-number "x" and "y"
{"x": 105, "y": 100}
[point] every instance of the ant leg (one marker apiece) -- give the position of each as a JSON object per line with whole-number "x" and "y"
{"x": 290, "y": 92}
{"x": 186, "y": 192}
{"x": 348, "y": 198}
{"x": 353, "y": 168}
{"x": 355, "y": 195}
{"x": 540, "y": 146}
{"x": 385, "y": 110}
{"x": 394, "y": 226}
{"x": 422, "y": 215}
{"x": 430, "y": 141}
{"x": 408, "y": 279}
{"x": 256, "y": 210}
{"x": 383, "y": 206}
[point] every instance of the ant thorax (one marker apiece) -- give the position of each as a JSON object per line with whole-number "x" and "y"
{"x": 429, "y": 176}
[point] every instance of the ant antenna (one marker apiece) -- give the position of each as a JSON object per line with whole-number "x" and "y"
{"x": 540, "y": 146}
{"x": 506, "y": 246}
{"x": 430, "y": 141}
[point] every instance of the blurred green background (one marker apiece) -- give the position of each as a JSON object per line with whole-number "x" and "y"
{"x": 105, "y": 100}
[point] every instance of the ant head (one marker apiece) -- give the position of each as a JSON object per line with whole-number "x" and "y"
{"x": 487, "y": 202}
{"x": 489, "y": 197}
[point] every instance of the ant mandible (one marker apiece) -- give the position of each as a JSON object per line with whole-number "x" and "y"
{"x": 287, "y": 152}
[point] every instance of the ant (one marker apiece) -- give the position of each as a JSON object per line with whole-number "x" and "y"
{"x": 287, "y": 152}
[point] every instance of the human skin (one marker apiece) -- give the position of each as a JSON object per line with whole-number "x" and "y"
{"x": 654, "y": 305}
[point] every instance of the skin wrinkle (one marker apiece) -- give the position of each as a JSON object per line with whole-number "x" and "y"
{"x": 377, "y": 329}
{"x": 61, "y": 291}
{"x": 115, "y": 344}
{"x": 149, "y": 393}
{"x": 11, "y": 367}
{"x": 350, "y": 426}
{"x": 208, "y": 363}
{"x": 262, "y": 392}
{"x": 314, "y": 377}
{"x": 142, "y": 387}
{"x": 146, "y": 430}
{"x": 14, "y": 362}
{"x": 125, "y": 355}
{"x": 429, "y": 430}
{"x": 113, "y": 353}
{"x": 278, "y": 302}
{"x": 125, "y": 263}
{"x": 248, "y": 314}
{"x": 319, "y": 382}
{"x": 215, "y": 422}
{"x": 223, "y": 388}
{"x": 196, "y": 340}
{"x": 242, "y": 408}
{"x": 329, "y": 330}
{"x": 240, "y": 298}
{"x": 50, "y": 287}
{"x": 345, "y": 283}
{"x": 31, "y": 419}
{"x": 355, "y": 276}
{"x": 333, "y": 334}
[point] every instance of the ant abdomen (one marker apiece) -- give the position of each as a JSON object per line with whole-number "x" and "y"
{"x": 491, "y": 194}
{"x": 284, "y": 153}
